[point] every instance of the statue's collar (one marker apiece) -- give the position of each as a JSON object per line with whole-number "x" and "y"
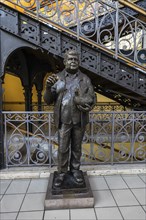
{"x": 70, "y": 74}
{"x": 64, "y": 74}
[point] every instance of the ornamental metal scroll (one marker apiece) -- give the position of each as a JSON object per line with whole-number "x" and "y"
{"x": 28, "y": 139}
{"x": 111, "y": 137}
{"x": 102, "y": 22}
{"x": 130, "y": 137}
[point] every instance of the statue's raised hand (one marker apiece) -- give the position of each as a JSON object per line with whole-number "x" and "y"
{"x": 51, "y": 80}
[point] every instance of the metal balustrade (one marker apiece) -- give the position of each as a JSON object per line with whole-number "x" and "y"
{"x": 100, "y": 106}
{"x": 114, "y": 78}
{"x": 102, "y": 23}
{"x": 110, "y": 137}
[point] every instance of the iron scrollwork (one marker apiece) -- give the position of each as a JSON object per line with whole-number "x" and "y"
{"x": 110, "y": 137}
{"x": 27, "y": 3}
{"x": 102, "y": 22}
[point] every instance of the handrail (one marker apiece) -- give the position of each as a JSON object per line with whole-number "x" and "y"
{"x": 74, "y": 34}
{"x": 133, "y": 6}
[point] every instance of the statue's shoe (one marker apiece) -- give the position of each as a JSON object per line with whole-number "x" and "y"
{"x": 59, "y": 179}
{"x": 78, "y": 176}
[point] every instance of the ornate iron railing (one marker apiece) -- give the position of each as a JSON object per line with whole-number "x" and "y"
{"x": 110, "y": 137}
{"x": 100, "y": 106}
{"x": 102, "y": 22}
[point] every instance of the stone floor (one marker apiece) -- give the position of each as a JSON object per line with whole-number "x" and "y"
{"x": 116, "y": 197}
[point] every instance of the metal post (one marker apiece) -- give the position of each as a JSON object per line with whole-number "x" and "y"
{"x": 132, "y": 137}
{"x": 2, "y": 164}
{"x": 117, "y": 30}
{"x": 49, "y": 144}
{"x": 39, "y": 94}
{"x": 112, "y": 138}
{"x": 58, "y": 11}
{"x": 78, "y": 20}
{"x": 135, "y": 45}
{"x": 97, "y": 20}
{"x": 37, "y": 8}
{"x": 144, "y": 38}
{"x": 28, "y": 104}
{"x": 92, "y": 136}
{"x": 28, "y": 98}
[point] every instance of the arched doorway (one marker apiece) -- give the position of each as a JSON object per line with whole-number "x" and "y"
{"x": 27, "y": 67}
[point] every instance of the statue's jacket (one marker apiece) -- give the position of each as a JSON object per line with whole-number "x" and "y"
{"x": 86, "y": 95}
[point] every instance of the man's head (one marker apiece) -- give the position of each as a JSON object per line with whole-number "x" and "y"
{"x": 71, "y": 61}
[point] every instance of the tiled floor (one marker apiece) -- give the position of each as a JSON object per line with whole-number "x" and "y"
{"x": 117, "y": 197}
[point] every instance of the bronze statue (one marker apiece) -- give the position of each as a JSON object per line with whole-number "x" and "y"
{"x": 73, "y": 95}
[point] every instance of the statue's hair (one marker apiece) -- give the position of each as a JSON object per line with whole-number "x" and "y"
{"x": 70, "y": 52}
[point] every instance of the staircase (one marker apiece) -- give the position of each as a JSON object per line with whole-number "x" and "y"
{"x": 101, "y": 35}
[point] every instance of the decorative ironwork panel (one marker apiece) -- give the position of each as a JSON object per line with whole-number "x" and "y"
{"x": 123, "y": 137}
{"x": 108, "y": 69}
{"x": 29, "y": 30}
{"x": 139, "y": 141}
{"x": 141, "y": 84}
{"x": 28, "y": 138}
{"x": 67, "y": 43}
{"x": 131, "y": 45}
{"x": 110, "y": 137}
{"x": 130, "y": 137}
{"x": 127, "y": 79}
{"x": 50, "y": 40}
{"x": 100, "y": 138}
{"x": 108, "y": 107}
{"x": 101, "y": 106}
{"x": 135, "y": 80}
{"x": 89, "y": 59}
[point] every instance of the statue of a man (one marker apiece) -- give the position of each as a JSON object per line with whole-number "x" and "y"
{"x": 73, "y": 95}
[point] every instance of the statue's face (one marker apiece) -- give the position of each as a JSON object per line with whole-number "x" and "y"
{"x": 72, "y": 63}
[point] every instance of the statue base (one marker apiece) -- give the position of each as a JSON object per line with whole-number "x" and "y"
{"x": 70, "y": 195}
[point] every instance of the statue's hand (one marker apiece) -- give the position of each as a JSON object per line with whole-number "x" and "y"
{"x": 85, "y": 101}
{"x": 51, "y": 80}
{"x": 85, "y": 108}
{"x": 82, "y": 100}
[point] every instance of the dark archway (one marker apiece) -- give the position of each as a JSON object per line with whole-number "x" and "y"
{"x": 30, "y": 65}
